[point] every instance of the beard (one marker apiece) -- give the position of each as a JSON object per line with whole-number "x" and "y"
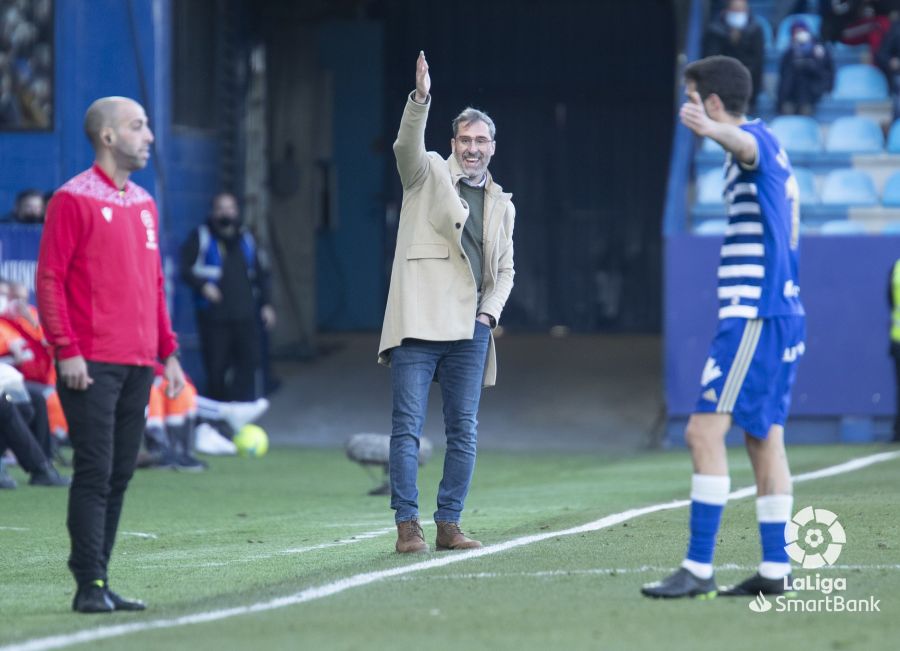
{"x": 473, "y": 172}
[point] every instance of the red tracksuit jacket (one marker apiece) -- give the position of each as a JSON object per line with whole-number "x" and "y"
{"x": 99, "y": 277}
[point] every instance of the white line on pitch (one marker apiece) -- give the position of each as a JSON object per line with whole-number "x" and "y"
{"x": 14, "y": 529}
{"x": 140, "y": 534}
{"x": 609, "y": 571}
{"x": 358, "y": 580}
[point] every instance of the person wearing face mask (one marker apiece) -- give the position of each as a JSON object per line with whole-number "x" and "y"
{"x": 806, "y": 73}
{"x": 229, "y": 276}
{"x": 28, "y": 209}
{"x": 736, "y": 34}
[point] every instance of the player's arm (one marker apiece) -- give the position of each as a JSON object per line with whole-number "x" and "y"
{"x": 732, "y": 138}
{"x": 59, "y": 241}
{"x": 409, "y": 148}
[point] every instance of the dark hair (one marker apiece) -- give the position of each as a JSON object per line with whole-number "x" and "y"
{"x": 723, "y": 76}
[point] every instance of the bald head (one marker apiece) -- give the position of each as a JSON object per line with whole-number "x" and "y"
{"x": 106, "y": 112}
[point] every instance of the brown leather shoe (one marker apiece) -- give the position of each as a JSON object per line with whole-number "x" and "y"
{"x": 410, "y": 539}
{"x": 449, "y": 536}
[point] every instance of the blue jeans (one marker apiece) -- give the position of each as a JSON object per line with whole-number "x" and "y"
{"x": 458, "y": 366}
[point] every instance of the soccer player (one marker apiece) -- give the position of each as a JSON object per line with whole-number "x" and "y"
{"x": 753, "y": 358}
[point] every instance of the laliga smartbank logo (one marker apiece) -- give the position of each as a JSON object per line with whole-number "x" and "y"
{"x": 815, "y": 539}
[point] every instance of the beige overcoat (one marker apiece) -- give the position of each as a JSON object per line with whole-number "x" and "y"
{"x": 432, "y": 294}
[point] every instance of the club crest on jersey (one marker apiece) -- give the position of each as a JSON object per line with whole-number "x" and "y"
{"x": 147, "y": 220}
{"x": 106, "y": 211}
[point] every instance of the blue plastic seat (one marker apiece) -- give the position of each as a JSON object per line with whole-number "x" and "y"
{"x": 893, "y": 140}
{"x": 855, "y": 134}
{"x": 891, "y": 228}
{"x": 798, "y": 134}
{"x": 807, "y": 182}
{"x": 768, "y": 38}
{"x": 711, "y": 145}
{"x": 849, "y": 187}
{"x": 783, "y": 39}
{"x": 711, "y": 227}
{"x": 890, "y": 196}
{"x": 860, "y": 82}
{"x": 709, "y": 187}
{"x": 842, "y": 227}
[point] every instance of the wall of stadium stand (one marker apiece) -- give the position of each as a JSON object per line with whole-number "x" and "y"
{"x": 845, "y": 386}
{"x": 125, "y": 47}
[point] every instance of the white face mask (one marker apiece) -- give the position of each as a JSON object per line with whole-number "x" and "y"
{"x": 4, "y": 303}
{"x": 802, "y": 37}
{"x": 737, "y": 19}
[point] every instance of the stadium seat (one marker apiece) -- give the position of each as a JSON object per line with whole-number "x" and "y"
{"x": 860, "y": 82}
{"x": 891, "y": 228}
{"x": 893, "y": 141}
{"x": 711, "y": 145}
{"x": 849, "y": 187}
{"x": 768, "y": 38}
{"x": 798, "y": 134}
{"x": 807, "y": 182}
{"x": 709, "y": 187}
{"x": 783, "y": 39}
{"x": 890, "y": 196}
{"x": 854, "y": 134}
{"x": 842, "y": 227}
{"x": 711, "y": 227}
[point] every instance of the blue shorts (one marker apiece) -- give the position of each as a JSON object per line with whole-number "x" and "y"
{"x": 751, "y": 368}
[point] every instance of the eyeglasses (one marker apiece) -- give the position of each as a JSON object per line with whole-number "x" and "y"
{"x": 480, "y": 142}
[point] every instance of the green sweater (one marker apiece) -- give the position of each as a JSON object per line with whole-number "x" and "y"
{"x": 473, "y": 233}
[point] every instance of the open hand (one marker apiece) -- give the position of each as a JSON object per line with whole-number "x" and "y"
{"x": 694, "y": 116}
{"x": 423, "y": 79}
{"x": 74, "y": 373}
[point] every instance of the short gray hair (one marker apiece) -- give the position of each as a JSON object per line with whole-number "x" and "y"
{"x": 470, "y": 114}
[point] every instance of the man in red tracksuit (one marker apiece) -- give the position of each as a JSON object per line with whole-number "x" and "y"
{"x": 102, "y": 305}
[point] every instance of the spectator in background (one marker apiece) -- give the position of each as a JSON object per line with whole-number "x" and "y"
{"x": 806, "y": 73}
{"x": 894, "y": 302}
{"x": 735, "y": 33}
{"x": 888, "y": 59}
{"x": 229, "y": 276}
{"x": 28, "y": 209}
{"x": 16, "y": 436}
{"x": 857, "y": 22}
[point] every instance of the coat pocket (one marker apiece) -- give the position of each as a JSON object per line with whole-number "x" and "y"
{"x": 419, "y": 251}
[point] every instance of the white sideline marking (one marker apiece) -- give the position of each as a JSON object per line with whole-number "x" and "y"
{"x": 619, "y": 570}
{"x": 358, "y": 580}
{"x": 140, "y": 534}
{"x": 366, "y": 535}
{"x": 14, "y": 529}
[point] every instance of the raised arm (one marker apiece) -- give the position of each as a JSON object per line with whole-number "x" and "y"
{"x": 409, "y": 148}
{"x": 741, "y": 144}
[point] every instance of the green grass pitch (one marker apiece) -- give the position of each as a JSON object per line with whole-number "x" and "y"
{"x": 248, "y": 531}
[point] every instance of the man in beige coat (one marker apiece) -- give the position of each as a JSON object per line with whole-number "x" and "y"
{"x": 452, "y": 273}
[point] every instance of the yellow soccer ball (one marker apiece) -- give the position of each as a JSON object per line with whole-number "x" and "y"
{"x": 251, "y": 441}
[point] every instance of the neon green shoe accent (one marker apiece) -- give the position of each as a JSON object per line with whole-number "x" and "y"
{"x": 707, "y": 596}
{"x": 99, "y": 583}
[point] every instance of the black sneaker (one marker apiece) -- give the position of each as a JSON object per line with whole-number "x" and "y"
{"x": 189, "y": 463}
{"x": 681, "y": 584}
{"x": 92, "y": 598}
{"x": 755, "y": 584}
{"x": 121, "y": 603}
{"x": 46, "y": 475}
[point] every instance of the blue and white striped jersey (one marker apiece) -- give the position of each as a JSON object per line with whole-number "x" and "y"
{"x": 758, "y": 271}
